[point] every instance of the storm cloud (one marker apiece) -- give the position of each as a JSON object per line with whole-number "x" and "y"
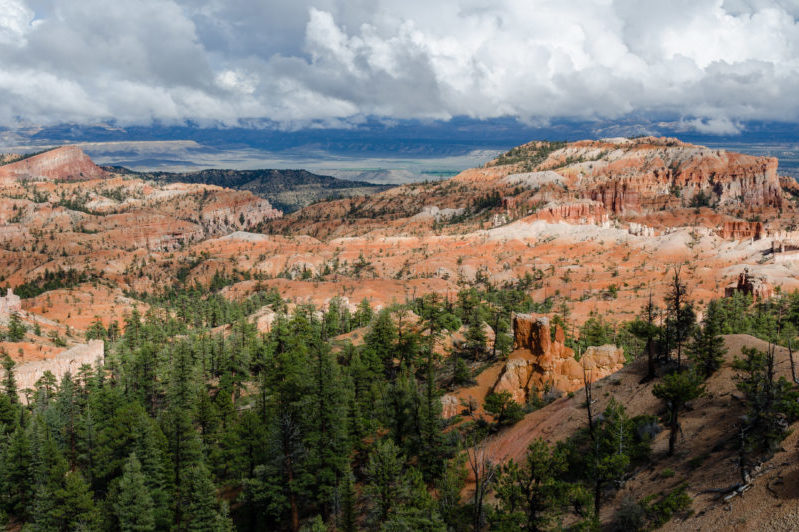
{"x": 712, "y": 64}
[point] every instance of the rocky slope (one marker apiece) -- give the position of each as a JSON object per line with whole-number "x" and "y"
{"x": 645, "y": 173}
{"x": 707, "y": 455}
{"x": 67, "y": 163}
{"x": 540, "y": 366}
{"x": 533, "y": 211}
{"x": 52, "y": 221}
{"x": 625, "y": 179}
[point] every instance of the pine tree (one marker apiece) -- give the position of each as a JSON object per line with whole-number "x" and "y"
{"x": 383, "y": 473}
{"x": 134, "y": 505}
{"x": 363, "y": 314}
{"x": 16, "y": 329}
{"x": 202, "y": 509}
{"x": 433, "y": 448}
{"x": 287, "y": 388}
{"x": 347, "y": 520}
{"x": 65, "y": 504}
{"x": 184, "y": 443}
{"x": 9, "y": 381}
{"x": 707, "y": 349}
{"x": 609, "y": 454}
{"x": 326, "y": 440}
{"x": 415, "y": 508}
{"x": 67, "y": 412}
{"x": 676, "y": 390}
{"x": 681, "y": 319}
{"x": 381, "y": 340}
{"x": 149, "y": 448}
{"x": 646, "y": 329}
{"x": 504, "y": 408}
{"x": 474, "y": 346}
{"x": 530, "y": 494}
{"x": 96, "y": 330}
{"x": 449, "y": 488}
{"x": 771, "y": 403}
{"x": 245, "y": 443}
{"x": 17, "y": 476}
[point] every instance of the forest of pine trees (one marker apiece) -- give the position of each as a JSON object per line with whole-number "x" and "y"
{"x": 186, "y": 429}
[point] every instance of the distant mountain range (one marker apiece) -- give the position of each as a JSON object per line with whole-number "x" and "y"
{"x": 287, "y": 190}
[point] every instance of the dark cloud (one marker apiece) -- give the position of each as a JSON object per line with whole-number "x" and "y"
{"x": 715, "y": 63}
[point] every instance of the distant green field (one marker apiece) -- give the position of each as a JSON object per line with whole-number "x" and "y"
{"x": 441, "y": 173}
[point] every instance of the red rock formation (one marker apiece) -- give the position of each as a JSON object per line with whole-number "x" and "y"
{"x": 574, "y": 211}
{"x": 636, "y": 180}
{"x": 639, "y": 174}
{"x": 742, "y": 230}
{"x": 531, "y": 333}
{"x": 67, "y": 163}
{"x": 541, "y": 361}
{"x": 450, "y": 406}
{"x": 757, "y": 287}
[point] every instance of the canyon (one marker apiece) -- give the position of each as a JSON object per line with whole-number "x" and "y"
{"x": 598, "y": 223}
{"x": 589, "y": 230}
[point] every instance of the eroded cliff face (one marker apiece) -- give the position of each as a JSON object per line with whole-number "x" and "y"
{"x": 579, "y": 182}
{"x": 576, "y": 211}
{"x": 68, "y": 361}
{"x": 757, "y": 287}
{"x": 57, "y": 218}
{"x": 741, "y": 230}
{"x": 67, "y": 163}
{"x": 648, "y": 173}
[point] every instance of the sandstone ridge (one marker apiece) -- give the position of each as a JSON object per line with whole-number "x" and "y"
{"x": 66, "y": 163}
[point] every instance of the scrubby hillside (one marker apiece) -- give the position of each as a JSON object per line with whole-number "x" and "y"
{"x": 707, "y": 460}
{"x": 287, "y": 190}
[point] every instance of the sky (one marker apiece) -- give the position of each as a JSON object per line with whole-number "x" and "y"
{"x": 709, "y": 66}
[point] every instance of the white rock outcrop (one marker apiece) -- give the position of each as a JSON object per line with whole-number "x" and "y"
{"x": 68, "y": 361}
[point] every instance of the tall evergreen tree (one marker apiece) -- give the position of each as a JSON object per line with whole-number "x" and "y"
{"x": 681, "y": 319}
{"x": 384, "y": 479}
{"x": 9, "y": 380}
{"x": 202, "y": 508}
{"x": 647, "y": 330}
{"x": 530, "y": 493}
{"x": 17, "y": 475}
{"x": 184, "y": 443}
{"x": 134, "y": 507}
{"x": 707, "y": 349}
{"x": 327, "y": 441}
{"x": 381, "y": 340}
{"x": 771, "y": 403}
{"x": 676, "y": 390}
{"x": 347, "y": 520}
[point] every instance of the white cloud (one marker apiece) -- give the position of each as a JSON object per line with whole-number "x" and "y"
{"x": 16, "y": 19}
{"x": 711, "y": 63}
{"x": 712, "y": 126}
